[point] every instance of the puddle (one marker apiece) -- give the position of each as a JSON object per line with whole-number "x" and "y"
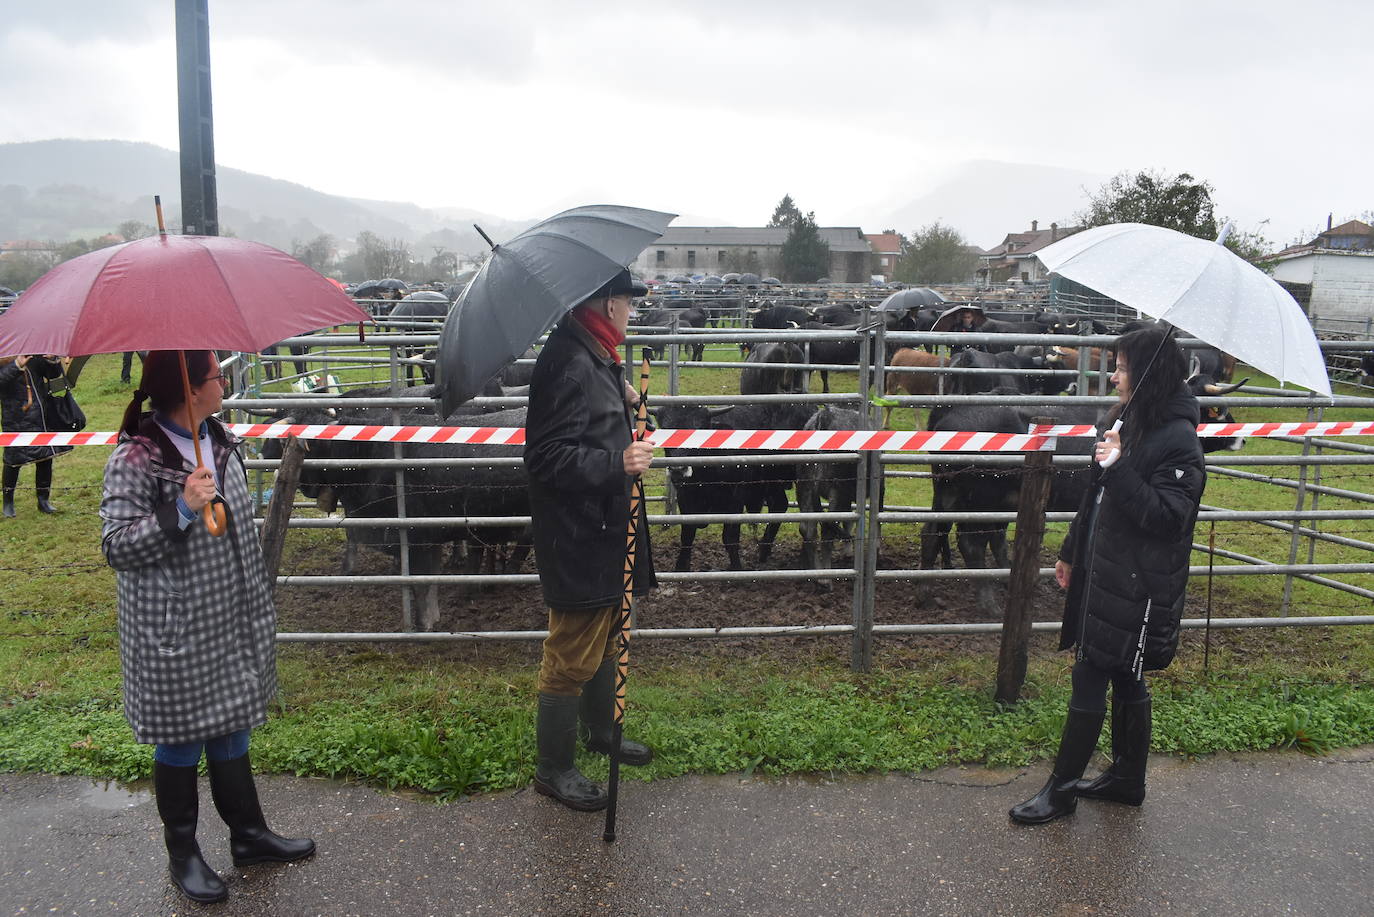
{"x": 111, "y": 796}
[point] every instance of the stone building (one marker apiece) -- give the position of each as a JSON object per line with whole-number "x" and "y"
{"x": 723, "y": 249}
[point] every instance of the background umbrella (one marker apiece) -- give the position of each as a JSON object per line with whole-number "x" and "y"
{"x": 394, "y": 285}
{"x": 749, "y": 280}
{"x": 1200, "y": 287}
{"x": 951, "y": 319}
{"x": 173, "y": 293}
{"x": 915, "y": 298}
{"x": 528, "y": 283}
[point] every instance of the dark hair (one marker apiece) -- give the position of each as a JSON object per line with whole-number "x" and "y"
{"x": 1157, "y": 370}
{"x": 161, "y": 383}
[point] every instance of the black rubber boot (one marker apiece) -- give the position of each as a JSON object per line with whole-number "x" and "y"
{"x": 597, "y": 712}
{"x": 178, "y": 803}
{"x": 1056, "y": 798}
{"x": 236, "y": 799}
{"x": 1124, "y": 780}
{"x": 9, "y": 480}
{"x": 42, "y": 482}
{"x": 557, "y": 775}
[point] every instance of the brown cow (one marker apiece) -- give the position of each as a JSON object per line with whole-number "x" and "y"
{"x": 1067, "y": 358}
{"x": 912, "y": 383}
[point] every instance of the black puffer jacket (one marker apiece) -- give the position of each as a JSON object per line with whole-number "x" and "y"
{"x": 1130, "y": 551}
{"x": 26, "y": 406}
{"x": 576, "y": 433}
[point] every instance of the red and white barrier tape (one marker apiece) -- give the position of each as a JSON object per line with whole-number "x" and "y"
{"x": 1040, "y": 437}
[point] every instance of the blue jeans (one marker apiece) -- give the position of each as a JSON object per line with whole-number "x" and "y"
{"x": 220, "y": 748}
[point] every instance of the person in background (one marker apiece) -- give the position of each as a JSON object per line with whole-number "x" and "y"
{"x": 1125, "y": 566}
{"x": 197, "y": 624}
{"x": 26, "y": 406}
{"x": 582, "y": 460}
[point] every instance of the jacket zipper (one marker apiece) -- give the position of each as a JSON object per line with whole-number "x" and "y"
{"x": 1139, "y": 664}
{"x": 1087, "y": 588}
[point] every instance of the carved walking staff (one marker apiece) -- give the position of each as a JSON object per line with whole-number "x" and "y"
{"x": 622, "y": 667}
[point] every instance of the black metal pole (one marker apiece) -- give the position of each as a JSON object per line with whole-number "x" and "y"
{"x": 199, "y": 200}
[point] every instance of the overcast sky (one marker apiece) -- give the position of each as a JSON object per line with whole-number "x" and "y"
{"x": 714, "y": 109}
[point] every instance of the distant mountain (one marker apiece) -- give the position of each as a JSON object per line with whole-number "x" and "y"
{"x": 985, "y": 200}
{"x": 64, "y": 189}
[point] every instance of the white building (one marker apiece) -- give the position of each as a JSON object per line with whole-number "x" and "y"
{"x": 1332, "y": 276}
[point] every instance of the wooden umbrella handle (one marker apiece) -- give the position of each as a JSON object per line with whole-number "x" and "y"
{"x": 216, "y": 522}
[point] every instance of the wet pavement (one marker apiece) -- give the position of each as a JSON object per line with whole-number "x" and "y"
{"x": 1268, "y": 833}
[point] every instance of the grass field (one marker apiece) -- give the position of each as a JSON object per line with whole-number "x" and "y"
{"x": 451, "y": 720}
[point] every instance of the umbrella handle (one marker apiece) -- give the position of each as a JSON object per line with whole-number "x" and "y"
{"x": 1115, "y": 453}
{"x": 216, "y": 521}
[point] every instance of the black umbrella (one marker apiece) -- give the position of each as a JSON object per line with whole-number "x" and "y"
{"x": 915, "y": 298}
{"x": 952, "y": 318}
{"x": 772, "y": 282}
{"x": 711, "y": 280}
{"x": 730, "y": 278}
{"x": 749, "y": 280}
{"x": 391, "y": 283}
{"x": 368, "y": 289}
{"x": 528, "y": 284}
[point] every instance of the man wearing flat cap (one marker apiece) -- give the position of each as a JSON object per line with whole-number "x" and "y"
{"x": 582, "y": 461}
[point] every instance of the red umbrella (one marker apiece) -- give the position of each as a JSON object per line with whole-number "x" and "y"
{"x": 174, "y": 293}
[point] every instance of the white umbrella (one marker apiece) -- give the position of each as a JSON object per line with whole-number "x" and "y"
{"x": 1200, "y": 287}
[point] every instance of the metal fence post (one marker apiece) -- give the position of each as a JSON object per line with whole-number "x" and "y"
{"x": 1296, "y": 538}
{"x": 403, "y": 535}
{"x": 861, "y": 645}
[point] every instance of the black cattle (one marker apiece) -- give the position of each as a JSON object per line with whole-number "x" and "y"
{"x": 837, "y": 484}
{"x": 838, "y": 313}
{"x": 995, "y": 375}
{"x": 963, "y": 487}
{"x": 833, "y": 352}
{"x": 1202, "y": 385}
{"x": 764, "y": 379}
{"x": 730, "y": 488}
{"x": 688, "y": 317}
{"x": 466, "y": 491}
{"x": 1211, "y": 364}
{"x": 779, "y": 317}
{"x": 1367, "y": 368}
{"x": 998, "y": 326}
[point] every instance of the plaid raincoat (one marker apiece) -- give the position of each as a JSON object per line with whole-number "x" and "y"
{"x": 196, "y": 620}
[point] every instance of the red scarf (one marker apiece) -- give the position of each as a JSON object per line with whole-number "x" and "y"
{"x": 600, "y": 327}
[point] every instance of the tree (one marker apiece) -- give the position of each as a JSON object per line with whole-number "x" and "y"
{"x": 786, "y": 213}
{"x": 316, "y": 253}
{"x": 379, "y": 258}
{"x": 935, "y": 254}
{"x": 805, "y": 255}
{"x": 130, "y": 230}
{"x": 1178, "y": 202}
{"x": 1251, "y": 245}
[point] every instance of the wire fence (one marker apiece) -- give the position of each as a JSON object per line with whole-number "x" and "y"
{"x": 410, "y": 514}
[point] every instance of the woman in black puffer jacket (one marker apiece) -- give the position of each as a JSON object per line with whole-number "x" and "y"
{"x": 26, "y": 406}
{"x": 1125, "y": 566}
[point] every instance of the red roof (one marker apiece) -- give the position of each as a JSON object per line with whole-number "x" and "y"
{"x": 885, "y": 243}
{"x": 1351, "y": 228}
{"x": 1025, "y": 243}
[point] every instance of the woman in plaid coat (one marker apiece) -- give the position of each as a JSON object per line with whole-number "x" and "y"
{"x": 196, "y": 618}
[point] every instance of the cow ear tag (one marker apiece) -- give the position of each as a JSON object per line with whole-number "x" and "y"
{"x": 1178, "y": 473}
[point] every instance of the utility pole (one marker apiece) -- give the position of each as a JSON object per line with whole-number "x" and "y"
{"x": 199, "y": 201}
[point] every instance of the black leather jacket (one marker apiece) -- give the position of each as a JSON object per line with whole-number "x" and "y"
{"x": 577, "y": 430}
{"x": 1130, "y": 552}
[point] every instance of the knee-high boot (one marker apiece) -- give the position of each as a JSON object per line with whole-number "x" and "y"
{"x": 1056, "y": 798}
{"x": 178, "y": 803}
{"x": 597, "y": 711}
{"x": 9, "y": 480}
{"x": 42, "y": 483}
{"x": 1124, "y": 780}
{"x": 236, "y": 799}
{"x": 557, "y": 775}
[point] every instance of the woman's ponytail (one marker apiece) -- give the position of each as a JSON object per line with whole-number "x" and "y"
{"x": 133, "y": 412}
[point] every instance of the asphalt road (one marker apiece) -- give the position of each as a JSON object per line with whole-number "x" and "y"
{"x": 1273, "y": 833}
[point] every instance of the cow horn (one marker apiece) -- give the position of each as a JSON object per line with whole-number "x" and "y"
{"x": 1227, "y": 389}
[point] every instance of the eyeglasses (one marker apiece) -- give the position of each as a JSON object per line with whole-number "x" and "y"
{"x": 222, "y": 379}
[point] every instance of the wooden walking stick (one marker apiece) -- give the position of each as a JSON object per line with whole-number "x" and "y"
{"x": 622, "y": 639}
